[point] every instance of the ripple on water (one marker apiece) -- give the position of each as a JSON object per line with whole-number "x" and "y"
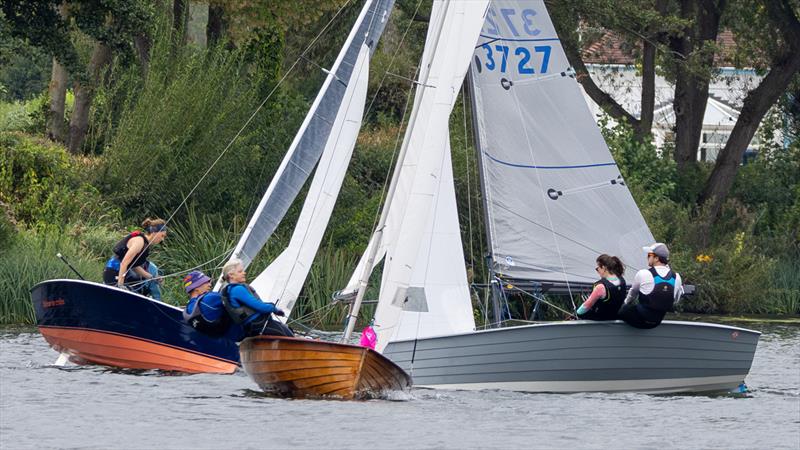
{"x": 43, "y": 405}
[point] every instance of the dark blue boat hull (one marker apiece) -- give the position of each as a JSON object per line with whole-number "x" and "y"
{"x": 95, "y": 323}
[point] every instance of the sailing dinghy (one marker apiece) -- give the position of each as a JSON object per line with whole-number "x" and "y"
{"x": 553, "y": 200}
{"x": 296, "y": 367}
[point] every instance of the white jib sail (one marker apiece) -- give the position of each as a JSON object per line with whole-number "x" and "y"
{"x": 448, "y": 51}
{"x": 438, "y": 299}
{"x": 283, "y": 279}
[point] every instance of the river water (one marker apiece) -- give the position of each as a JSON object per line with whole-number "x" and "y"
{"x": 43, "y": 406}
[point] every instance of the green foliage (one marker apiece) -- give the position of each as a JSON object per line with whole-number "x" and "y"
{"x": 42, "y": 184}
{"x": 648, "y": 173}
{"x": 330, "y": 272}
{"x": 24, "y": 69}
{"x": 31, "y": 259}
{"x": 189, "y": 108}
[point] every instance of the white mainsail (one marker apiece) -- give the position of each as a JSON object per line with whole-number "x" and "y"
{"x": 314, "y": 132}
{"x": 283, "y": 279}
{"x": 555, "y": 199}
{"x": 454, "y": 27}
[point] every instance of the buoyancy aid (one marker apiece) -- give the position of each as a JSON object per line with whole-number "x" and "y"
{"x": 241, "y": 313}
{"x": 606, "y": 308}
{"x": 121, "y": 248}
{"x": 201, "y": 323}
{"x": 662, "y": 297}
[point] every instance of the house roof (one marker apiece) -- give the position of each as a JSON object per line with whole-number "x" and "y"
{"x": 613, "y": 48}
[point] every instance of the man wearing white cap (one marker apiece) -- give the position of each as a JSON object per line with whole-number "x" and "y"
{"x": 658, "y": 288}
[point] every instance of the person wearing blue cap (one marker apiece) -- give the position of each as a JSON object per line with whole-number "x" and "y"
{"x": 657, "y": 288}
{"x": 129, "y": 267}
{"x": 205, "y": 311}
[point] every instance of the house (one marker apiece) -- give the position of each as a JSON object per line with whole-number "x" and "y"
{"x": 612, "y": 64}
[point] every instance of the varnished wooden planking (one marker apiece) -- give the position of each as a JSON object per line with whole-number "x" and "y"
{"x": 307, "y": 368}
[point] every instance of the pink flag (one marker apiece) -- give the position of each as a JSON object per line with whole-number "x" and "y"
{"x": 368, "y": 337}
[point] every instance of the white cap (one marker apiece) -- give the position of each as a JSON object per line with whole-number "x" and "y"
{"x": 657, "y": 249}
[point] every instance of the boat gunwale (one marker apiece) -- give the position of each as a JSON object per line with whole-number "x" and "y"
{"x": 105, "y": 287}
{"x": 573, "y": 323}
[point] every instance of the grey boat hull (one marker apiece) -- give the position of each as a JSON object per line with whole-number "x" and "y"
{"x": 583, "y": 356}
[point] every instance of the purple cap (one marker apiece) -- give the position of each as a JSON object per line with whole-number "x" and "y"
{"x": 194, "y": 280}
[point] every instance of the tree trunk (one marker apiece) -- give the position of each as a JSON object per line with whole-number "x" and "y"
{"x": 649, "y": 77}
{"x": 56, "y": 129}
{"x": 756, "y": 104}
{"x": 143, "y": 45}
{"x": 84, "y": 91}
{"x": 693, "y": 77}
{"x": 645, "y": 125}
{"x": 180, "y": 16}
{"x": 603, "y": 99}
{"x": 215, "y": 26}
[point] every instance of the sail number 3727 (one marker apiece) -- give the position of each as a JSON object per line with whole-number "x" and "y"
{"x": 525, "y": 60}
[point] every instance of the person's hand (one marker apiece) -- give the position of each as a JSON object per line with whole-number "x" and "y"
{"x": 279, "y": 312}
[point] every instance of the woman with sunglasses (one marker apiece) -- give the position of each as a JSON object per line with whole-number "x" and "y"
{"x": 608, "y": 292}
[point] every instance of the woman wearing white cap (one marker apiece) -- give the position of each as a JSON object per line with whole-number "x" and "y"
{"x": 658, "y": 288}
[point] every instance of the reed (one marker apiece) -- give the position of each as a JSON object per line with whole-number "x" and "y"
{"x": 330, "y": 272}
{"x": 784, "y": 295}
{"x": 31, "y": 259}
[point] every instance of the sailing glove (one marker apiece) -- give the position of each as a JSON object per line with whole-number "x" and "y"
{"x": 279, "y": 312}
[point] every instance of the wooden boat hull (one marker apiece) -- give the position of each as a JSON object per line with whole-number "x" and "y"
{"x": 97, "y": 324}
{"x": 583, "y": 356}
{"x": 295, "y": 367}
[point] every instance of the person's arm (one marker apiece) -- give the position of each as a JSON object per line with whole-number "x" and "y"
{"x": 598, "y": 292}
{"x": 678, "y": 288}
{"x": 633, "y": 292}
{"x": 241, "y": 294}
{"x": 135, "y": 246}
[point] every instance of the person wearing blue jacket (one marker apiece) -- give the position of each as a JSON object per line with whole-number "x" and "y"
{"x": 246, "y": 308}
{"x": 204, "y": 311}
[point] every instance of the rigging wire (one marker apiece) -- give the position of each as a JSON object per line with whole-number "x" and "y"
{"x": 468, "y": 167}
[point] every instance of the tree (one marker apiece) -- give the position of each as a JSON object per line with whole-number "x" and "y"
{"x": 645, "y": 23}
{"x": 781, "y": 27}
{"x": 47, "y": 23}
{"x": 693, "y": 51}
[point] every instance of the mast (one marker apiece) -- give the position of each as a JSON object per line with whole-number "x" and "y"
{"x": 367, "y": 270}
{"x": 493, "y": 287}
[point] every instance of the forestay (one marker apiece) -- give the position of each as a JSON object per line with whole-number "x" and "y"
{"x": 283, "y": 279}
{"x": 554, "y": 195}
{"x": 454, "y": 29}
{"x": 314, "y": 132}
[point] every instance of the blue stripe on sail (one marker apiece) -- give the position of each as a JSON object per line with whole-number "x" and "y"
{"x": 525, "y": 166}
{"x": 501, "y": 38}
